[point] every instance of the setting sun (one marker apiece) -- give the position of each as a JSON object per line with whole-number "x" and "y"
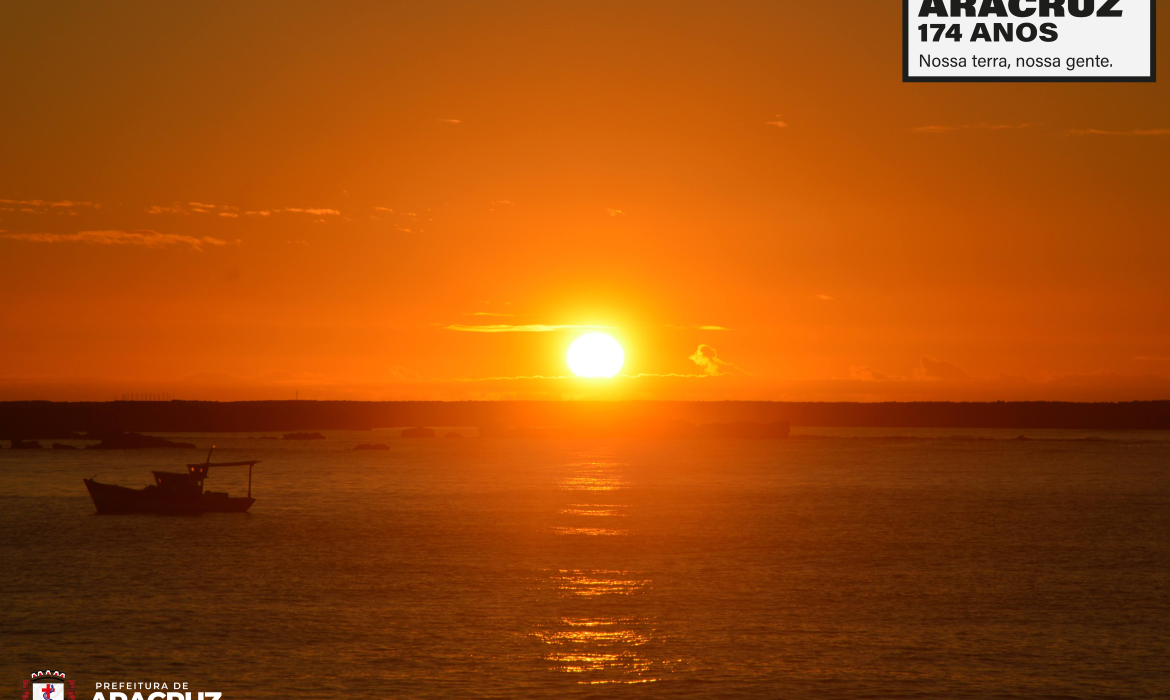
{"x": 595, "y": 355}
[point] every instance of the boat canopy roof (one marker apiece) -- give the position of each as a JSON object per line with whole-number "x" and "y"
{"x": 225, "y": 464}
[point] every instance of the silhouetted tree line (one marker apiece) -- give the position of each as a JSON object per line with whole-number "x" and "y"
{"x": 49, "y": 420}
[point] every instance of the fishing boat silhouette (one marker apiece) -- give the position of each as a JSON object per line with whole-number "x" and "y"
{"x": 173, "y": 493}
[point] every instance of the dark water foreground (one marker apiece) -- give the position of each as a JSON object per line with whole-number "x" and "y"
{"x": 833, "y": 567}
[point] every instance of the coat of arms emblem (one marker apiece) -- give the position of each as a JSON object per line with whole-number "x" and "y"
{"x": 48, "y": 685}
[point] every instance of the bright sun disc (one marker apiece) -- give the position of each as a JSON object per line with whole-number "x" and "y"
{"x": 596, "y": 355}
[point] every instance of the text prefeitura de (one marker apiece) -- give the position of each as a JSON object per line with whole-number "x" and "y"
{"x": 154, "y": 691}
{"x": 1010, "y": 8}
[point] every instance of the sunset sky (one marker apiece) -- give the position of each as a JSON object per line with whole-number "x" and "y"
{"x": 432, "y": 200}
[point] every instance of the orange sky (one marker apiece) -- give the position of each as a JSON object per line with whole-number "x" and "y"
{"x": 236, "y": 200}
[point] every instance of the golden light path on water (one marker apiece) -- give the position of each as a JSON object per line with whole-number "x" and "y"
{"x": 604, "y": 648}
{"x": 599, "y": 582}
{"x": 593, "y": 509}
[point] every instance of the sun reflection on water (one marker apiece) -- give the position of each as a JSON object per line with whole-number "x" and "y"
{"x": 606, "y": 649}
{"x": 589, "y": 531}
{"x": 593, "y": 510}
{"x": 598, "y": 582}
{"x": 599, "y": 475}
{"x": 599, "y": 649}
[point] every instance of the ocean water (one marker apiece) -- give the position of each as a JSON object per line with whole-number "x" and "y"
{"x": 836, "y": 564}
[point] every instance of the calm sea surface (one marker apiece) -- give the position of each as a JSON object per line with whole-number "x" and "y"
{"x": 837, "y": 564}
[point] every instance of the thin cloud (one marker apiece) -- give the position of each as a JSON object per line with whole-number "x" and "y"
{"x": 868, "y": 374}
{"x": 314, "y": 212}
{"x": 708, "y": 359}
{"x": 145, "y": 238}
{"x": 228, "y": 211}
{"x": 496, "y": 379}
{"x": 944, "y": 129}
{"x": 614, "y": 212}
{"x": 1131, "y": 132}
{"x": 534, "y": 328}
{"x": 451, "y": 121}
{"x": 43, "y": 206}
{"x": 569, "y": 377}
{"x": 64, "y": 203}
{"x": 823, "y": 297}
{"x": 934, "y": 368}
{"x": 777, "y": 123}
{"x": 669, "y": 374}
{"x": 713, "y": 328}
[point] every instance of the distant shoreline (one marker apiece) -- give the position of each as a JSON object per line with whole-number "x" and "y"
{"x": 50, "y": 419}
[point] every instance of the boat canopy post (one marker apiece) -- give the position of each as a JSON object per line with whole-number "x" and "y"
{"x": 200, "y": 470}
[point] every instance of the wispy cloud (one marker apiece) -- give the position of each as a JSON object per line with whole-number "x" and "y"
{"x": 934, "y": 368}
{"x": 231, "y": 212}
{"x": 313, "y": 211}
{"x": 614, "y": 212}
{"x": 668, "y": 374}
{"x": 822, "y": 297}
{"x": 777, "y": 123}
{"x": 44, "y": 206}
{"x": 497, "y": 379}
{"x": 534, "y": 328}
{"x": 451, "y": 121}
{"x": 148, "y": 239}
{"x": 708, "y": 359}
{"x": 943, "y": 129}
{"x": 1131, "y": 132}
{"x": 869, "y": 374}
{"x": 60, "y": 204}
{"x": 713, "y": 328}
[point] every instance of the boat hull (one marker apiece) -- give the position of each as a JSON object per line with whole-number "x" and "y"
{"x": 119, "y": 500}
{"x": 222, "y": 503}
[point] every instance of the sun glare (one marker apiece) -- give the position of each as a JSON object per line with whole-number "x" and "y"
{"x": 595, "y": 355}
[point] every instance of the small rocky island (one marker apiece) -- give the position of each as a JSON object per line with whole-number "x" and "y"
{"x": 135, "y": 441}
{"x": 304, "y": 436}
{"x": 418, "y": 433}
